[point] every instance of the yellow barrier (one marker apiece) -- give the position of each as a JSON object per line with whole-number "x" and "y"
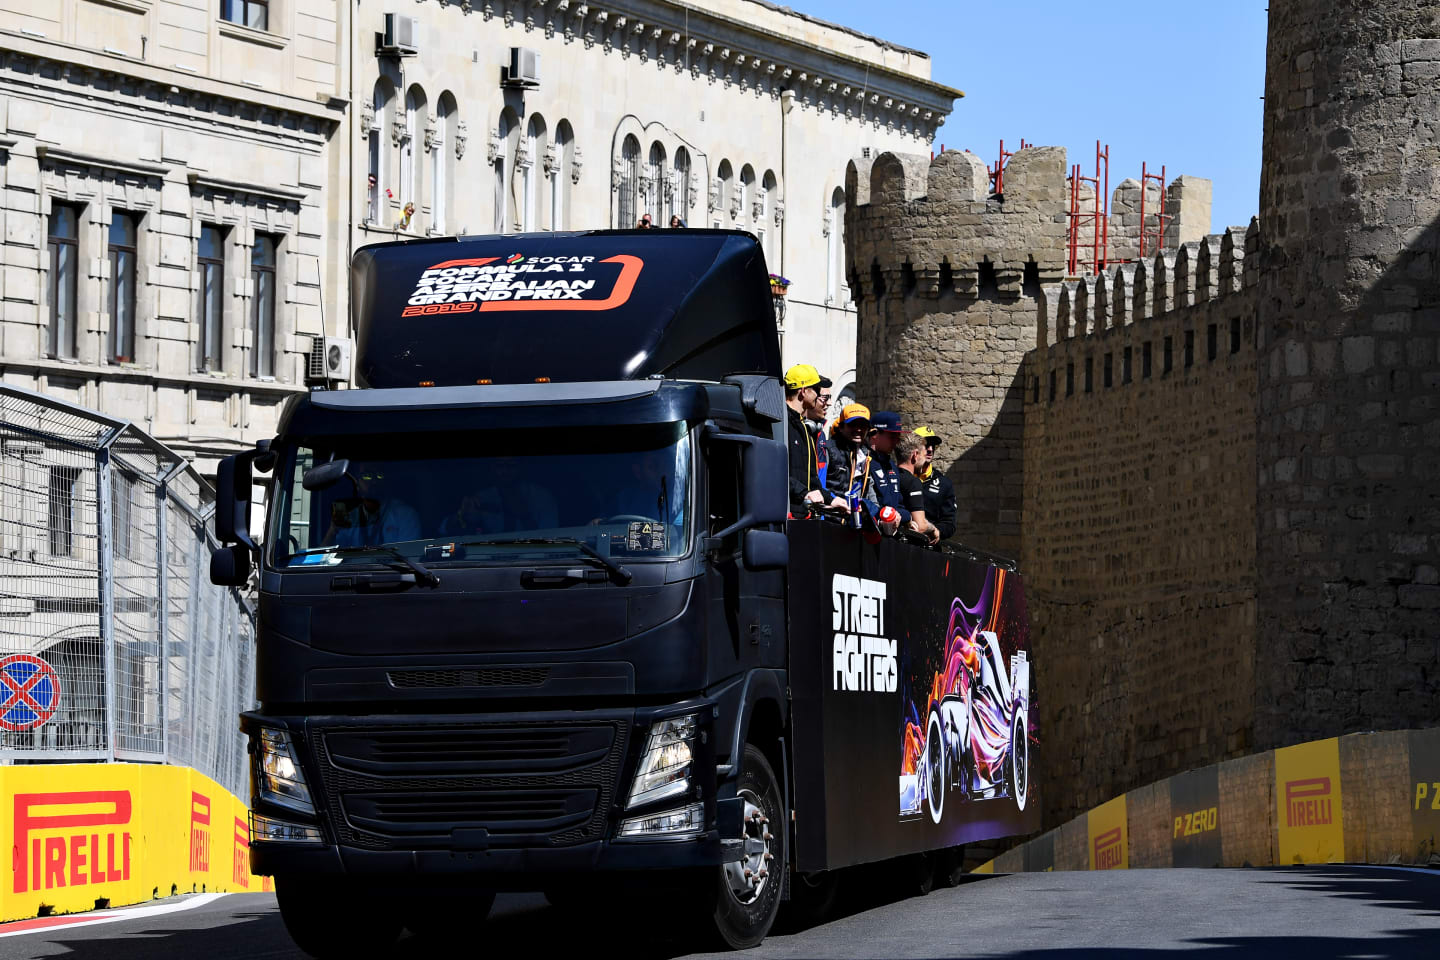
{"x": 1361, "y": 798}
{"x": 92, "y": 835}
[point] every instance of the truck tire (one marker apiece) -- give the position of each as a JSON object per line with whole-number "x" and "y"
{"x": 327, "y": 917}
{"x": 747, "y": 893}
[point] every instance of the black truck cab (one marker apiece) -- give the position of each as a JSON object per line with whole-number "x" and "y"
{"x": 527, "y": 610}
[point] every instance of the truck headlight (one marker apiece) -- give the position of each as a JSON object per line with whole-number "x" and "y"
{"x": 278, "y": 776}
{"x": 265, "y": 829}
{"x": 664, "y": 770}
{"x": 684, "y": 822}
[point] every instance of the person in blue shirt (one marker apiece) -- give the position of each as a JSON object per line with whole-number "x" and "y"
{"x": 884, "y": 484}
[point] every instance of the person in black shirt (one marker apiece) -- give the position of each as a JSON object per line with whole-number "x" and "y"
{"x": 884, "y": 486}
{"x": 802, "y": 383}
{"x": 939, "y": 490}
{"x": 909, "y": 458}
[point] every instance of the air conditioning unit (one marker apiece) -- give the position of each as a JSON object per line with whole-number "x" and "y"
{"x": 329, "y": 361}
{"x": 524, "y": 69}
{"x": 401, "y": 37}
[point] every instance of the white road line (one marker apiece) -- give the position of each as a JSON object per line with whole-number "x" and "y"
{"x": 76, "y": 921}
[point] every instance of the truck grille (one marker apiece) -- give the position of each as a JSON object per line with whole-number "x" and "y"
{"x": 495, "y": 677}
{"x": 523, "y": 783}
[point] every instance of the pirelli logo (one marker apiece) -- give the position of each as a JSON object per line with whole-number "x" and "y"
{"x": 1108, "y": 850}
{"x": 1308, "y": 803}
{"x": 71, "y": 839}
{"x": 199, "y": 832}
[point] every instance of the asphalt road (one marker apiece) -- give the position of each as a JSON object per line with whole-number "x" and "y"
{"x": 1315, "y": 913}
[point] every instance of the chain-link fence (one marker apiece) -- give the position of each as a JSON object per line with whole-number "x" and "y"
{"x": 114, "y": 645}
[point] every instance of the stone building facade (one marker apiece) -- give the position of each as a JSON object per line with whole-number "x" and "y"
{"x": 731, "y": 113}
{"x": 1216, "y": 465}
{"x": 184, "y": 181}
{"x": 166, "y": 211}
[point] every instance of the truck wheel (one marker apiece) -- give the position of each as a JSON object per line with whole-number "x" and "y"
{"x": 936, "y": 782}
{"x": 1019, "y": 771}
{"x": 449, "y": 919}
{"x": 747, "y": 892}
{"x": 331, "y": 918}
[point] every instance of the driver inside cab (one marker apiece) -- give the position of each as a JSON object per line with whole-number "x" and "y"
{"x": 370, "y": 517}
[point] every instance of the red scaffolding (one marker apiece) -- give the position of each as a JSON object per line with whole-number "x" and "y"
{"x": 997, "y": 172}
{"x": 1156, "y": 236}
{"x": 1098, "y": 217}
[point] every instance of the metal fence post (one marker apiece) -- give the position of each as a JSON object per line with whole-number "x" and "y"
{"x": 105, "y": 568}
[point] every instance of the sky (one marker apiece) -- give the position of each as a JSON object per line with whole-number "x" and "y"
{"x": 1162, "y": 82}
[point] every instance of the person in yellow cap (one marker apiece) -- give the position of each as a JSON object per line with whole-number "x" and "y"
{"x": 802, "y": 396}
{"x": 939, "y": 491}
{"x": 849, "y": 465}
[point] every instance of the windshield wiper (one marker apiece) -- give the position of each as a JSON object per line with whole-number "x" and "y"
{"x": 422, "y": 573}
{"x": 623, "y": 574}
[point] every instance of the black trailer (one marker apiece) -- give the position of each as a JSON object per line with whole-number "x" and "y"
{"x": 533, "y": 616}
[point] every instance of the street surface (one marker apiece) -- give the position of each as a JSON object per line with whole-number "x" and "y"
{"x": 1315, "y": 913}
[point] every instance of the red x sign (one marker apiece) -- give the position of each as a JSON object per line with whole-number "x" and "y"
{"x": 29, "y": 692}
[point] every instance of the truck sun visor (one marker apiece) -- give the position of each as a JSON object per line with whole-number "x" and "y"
{"x": 618, "y": 305}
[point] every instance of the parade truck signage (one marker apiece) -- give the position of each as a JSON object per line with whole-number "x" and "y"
{"x": 115, "y": 833}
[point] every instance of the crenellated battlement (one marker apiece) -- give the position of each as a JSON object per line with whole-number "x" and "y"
{"x": 1198, "y": 273}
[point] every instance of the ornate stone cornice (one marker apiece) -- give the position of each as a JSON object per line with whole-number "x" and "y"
{"x": 709, "y": 44}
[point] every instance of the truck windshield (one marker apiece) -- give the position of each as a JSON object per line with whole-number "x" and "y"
{"x": 488, "y": 496}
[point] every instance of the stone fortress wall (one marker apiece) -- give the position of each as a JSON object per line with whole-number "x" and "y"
{"x": 1216, "y": 466}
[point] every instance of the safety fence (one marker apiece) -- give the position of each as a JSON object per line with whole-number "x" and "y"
{"x": 1360, "y": 798}
{"x": 114, "y": 645}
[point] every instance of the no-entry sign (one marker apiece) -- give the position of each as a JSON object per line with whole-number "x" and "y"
{"x": 29, "y": 692}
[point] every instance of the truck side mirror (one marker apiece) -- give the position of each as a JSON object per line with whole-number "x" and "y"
{"x": 233, "y": 478}
{"x": 766, "y": 550}
{"x": 230, "y": 566}
{"x": 766, "y": 496}
{"x": 324, "y": 475}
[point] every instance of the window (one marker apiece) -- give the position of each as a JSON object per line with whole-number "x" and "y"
{"x": 1189, "y": 349}
{"x": 680, "y": 198}
{"x": 1234, "y": 334}
{"x": 248, "y": 13}
{"x": 408, "y": 181}
{"x": 62, "y": 510}
{"x": 1070, "y": 379}
{"x": 723, "y": 479}
{"x": 122, "y": 510}
{"x": 1052, "y": 386}
{"x": 1109, "y": 370}
{"x": 1126, "y": 365}
{"x": 120, "y": 246}
{"x": 727, "y": 180}
{"x": 262, "y": 306}
{"x": 210, "y": 264}
{"x": 534, "y": 161}
{"x": 1089, "y": 374}
{"x": 440, "y": 165}
{"x": 628, "y": 206}
{"x": 64, "y": 269}
{"x": 1212, "y": 344}
{"x": 747, "y": 193}
{"x": 769, "y": 230}
{"x": 655, "y": 202}
{"x": 1168, "y": 363}
{"x": 376, "y": 197}
{"x": 502, "y": 193}
{"x": 559, "y": 178}
{"x": 835, "y": 225}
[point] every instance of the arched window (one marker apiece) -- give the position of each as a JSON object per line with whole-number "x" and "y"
{"x": 626, "y": 215}
{"x": 531, "y": 160}
{"x": 835, "y": 248}
{"x": 503, "y": 207}
{"x": 747, "y": 195}
{"x": 375, "y": 199}
{"x": 769, "y": 229}
{"x": 680, "y": 199}
{"x": 725, "y": 176}
{"x": 656, "y": 177}
{"x": 409, "y": 183}
{"x": 440, "y": 161}
{"x": 560, "y": 176}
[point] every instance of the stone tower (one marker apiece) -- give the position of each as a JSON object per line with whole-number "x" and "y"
{"x": 949, "y": 278}
{"x": 1348, "y": 419}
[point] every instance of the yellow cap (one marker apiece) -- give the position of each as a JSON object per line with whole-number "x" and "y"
{"x": 927, "y": 434}
{"x": 803, "y": 375}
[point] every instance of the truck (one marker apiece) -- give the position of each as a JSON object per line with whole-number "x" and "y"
{"x": 533, "y": 614}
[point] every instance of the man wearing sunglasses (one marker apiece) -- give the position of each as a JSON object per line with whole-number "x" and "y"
{"x": 369, "y": 518}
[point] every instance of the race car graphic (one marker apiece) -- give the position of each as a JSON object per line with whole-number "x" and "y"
{"x": 974, "y": 733}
